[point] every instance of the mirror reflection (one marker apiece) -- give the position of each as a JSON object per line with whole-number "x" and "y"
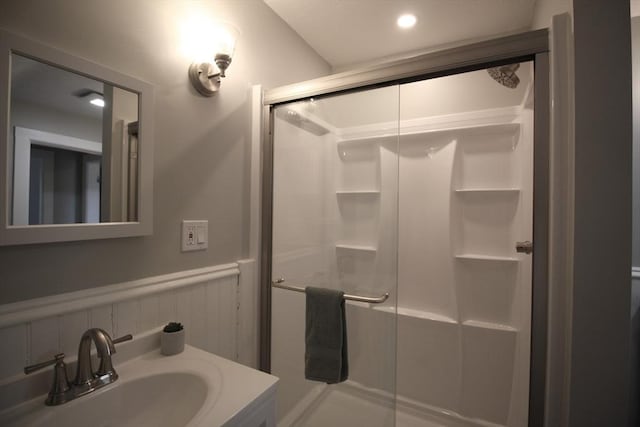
{"x": 75, "y": 147}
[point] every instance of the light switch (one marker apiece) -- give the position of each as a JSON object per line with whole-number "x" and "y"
{"x": 195, "y": 235}
{"x": 200, "y": 235}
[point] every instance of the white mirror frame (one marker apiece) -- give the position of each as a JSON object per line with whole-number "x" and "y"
{"x": 26, "y": 234}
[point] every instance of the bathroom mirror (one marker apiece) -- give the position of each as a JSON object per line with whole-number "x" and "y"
{"x": 76, "y": 147}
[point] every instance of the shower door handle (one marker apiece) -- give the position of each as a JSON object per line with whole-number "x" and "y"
{"x": 525, "y": 247}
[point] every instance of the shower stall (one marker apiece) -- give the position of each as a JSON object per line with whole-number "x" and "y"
{"x": 414, "y": 194}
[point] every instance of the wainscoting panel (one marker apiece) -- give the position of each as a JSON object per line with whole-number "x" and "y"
{"x": 205, "y": 301}
{"x": 71, "y": 326}
{"x": 14, "y": 349}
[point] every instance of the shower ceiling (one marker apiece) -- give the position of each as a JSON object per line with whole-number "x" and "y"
{"x": 347, "y": 32}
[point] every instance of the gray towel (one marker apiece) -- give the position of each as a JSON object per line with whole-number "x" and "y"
{"x": 325, "y": 357}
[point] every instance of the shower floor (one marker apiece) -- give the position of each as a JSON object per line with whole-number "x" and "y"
{"x": 350, "y": 404}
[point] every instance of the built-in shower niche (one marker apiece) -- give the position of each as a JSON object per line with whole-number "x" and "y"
{"x": 487, "y": 157}
{"x": 358, "y": 212}
{"x": 357, "y": 200}
{"x": 484, "y": 210}
{"x": 486, "y": 223}
{"x": 485, "y": 206}
{"x": 358, "y": 169}
{"x": 486, "y": 183}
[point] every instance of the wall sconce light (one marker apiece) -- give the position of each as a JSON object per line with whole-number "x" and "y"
{"x": 205, "y": 76}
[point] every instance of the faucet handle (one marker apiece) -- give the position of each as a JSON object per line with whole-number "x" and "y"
{"x": 123, "y": 338}
{"x": 36, "y": 367}
{"x": 60, "y": 389}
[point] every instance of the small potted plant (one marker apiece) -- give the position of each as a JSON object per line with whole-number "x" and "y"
{"x": 172, "y": 339}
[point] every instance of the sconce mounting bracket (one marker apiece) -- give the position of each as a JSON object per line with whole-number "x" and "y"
{"x": 204, "y": 78}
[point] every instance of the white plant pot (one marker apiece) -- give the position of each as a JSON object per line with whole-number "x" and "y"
{"x": 171, "y": 342}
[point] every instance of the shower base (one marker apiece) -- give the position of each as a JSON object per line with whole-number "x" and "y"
{"x": 351, "y": 404}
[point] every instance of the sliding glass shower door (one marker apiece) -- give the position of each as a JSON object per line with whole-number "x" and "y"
{"x": 335, "y": 203}
{"x": 422, "y": 191}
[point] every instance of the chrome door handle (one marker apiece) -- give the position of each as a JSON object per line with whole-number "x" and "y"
{"x": 525, "y": 247}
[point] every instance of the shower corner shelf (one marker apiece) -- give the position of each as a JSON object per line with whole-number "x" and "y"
{"x": 361, "y": 248}
{"x": 480, "y": 257}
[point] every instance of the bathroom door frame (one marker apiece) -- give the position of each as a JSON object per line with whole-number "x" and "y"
{"x": 527, "y": 46}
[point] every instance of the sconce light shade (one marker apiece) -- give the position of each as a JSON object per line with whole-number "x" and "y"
{"x": 203, "y": 75}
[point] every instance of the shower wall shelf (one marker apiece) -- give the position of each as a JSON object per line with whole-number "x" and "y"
{"x": 481, "y": 257}
{"x": 358, "y": 193}
{"x": 362, "y": 248}
{"x": 488, "y": 190}
{"x": 426, "y": 315}
{"x": 489, "y": 325}
{"x": 440, "y": 318}
{"x": 368, "y": 139}
{"x": 426, "y": 135}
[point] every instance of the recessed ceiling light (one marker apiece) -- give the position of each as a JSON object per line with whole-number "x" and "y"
{"x": 90, "y": 95}
{"x": 97, "y": 101}
{"x": 406, "y": 21}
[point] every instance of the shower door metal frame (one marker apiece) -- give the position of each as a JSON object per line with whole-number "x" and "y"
{"x": 528, "y": 46}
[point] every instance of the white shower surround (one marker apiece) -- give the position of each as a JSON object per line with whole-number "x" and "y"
{"x": 454, "y": 314}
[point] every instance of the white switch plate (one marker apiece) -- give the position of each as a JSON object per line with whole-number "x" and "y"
{"x": 195, "y": 235}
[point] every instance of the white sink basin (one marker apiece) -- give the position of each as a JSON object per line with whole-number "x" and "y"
{"x": 139, "y": 402}
{"x": 194, "y": 389}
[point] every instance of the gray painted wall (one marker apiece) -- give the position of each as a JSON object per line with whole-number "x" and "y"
{"x": 599, "y": 385}
{"x": 635, "y": 283}
{"x": 201, "y": 144}
{"x": 634, "y": 372}
{"x": 545, "y": 9}
{"x": 635, "y": 58}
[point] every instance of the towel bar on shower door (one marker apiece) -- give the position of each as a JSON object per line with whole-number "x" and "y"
{"x": 278, "y": 283}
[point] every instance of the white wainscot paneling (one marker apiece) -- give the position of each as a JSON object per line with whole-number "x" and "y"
{"x": 44, "y": 339}
{"x": 71, "y": 327}
{"x": 102, "y": 317}
{"x": 248, "y": 319}
{"x": 13, "y": 352}
{"x": 206, "y": 301}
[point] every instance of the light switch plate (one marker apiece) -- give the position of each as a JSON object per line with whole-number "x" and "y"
{"x": 195, "y": 235}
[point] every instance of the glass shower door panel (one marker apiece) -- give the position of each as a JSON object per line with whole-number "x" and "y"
{"x": 334, "y": 226}
{"x": 464, "y": 294}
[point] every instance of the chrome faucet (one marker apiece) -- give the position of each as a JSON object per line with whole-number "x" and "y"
{"x": 87, "y": 380}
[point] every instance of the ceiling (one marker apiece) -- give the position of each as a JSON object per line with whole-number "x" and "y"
{"x": 348, "y": 32}
{"x": 34, "y": 82}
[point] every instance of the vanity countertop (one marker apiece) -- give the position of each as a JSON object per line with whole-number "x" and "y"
{"x": 194, "y": 387}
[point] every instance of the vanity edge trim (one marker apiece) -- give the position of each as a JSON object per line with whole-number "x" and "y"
{"x": 38, "y": 308}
